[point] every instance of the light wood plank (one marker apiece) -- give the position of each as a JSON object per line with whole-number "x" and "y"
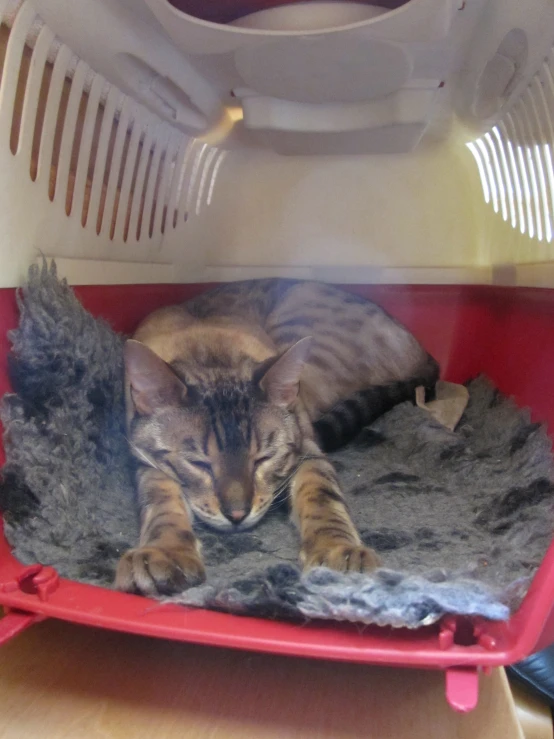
{"x": 61, "y": 681}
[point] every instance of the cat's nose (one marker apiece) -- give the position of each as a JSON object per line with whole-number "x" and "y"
{"x": 237, "y": 515}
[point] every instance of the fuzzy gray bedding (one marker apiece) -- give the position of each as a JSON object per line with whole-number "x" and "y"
{"x": 461, "y": 519}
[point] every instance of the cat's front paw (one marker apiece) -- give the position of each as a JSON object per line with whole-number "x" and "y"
{"x": 341, "y": 557}
{"x": 155, "y": 570}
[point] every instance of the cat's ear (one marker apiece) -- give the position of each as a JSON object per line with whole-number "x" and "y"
{"x": 153, "y": 383}
{"x": 279, "y": 378}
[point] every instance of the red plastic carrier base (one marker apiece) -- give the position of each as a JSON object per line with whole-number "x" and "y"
{"x": 507, "y": 333}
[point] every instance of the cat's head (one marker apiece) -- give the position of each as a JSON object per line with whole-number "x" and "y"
{"x": 231, "y": 443}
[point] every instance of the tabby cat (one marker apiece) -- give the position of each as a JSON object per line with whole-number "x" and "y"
{"x": 231, "y": 399}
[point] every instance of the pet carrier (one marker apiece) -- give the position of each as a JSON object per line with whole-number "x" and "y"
{"x": 403, "y": 148}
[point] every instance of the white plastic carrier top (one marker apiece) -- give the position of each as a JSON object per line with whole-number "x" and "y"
{"x": 394, "y": 141}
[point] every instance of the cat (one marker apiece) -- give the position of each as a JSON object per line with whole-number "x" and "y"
{"x": 233, "y": 399}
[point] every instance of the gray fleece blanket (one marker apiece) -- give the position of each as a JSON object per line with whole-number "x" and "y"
{"x": 462, "y": 519}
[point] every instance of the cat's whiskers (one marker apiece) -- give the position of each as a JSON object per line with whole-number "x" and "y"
{"x": 141, "y": 455}
{"x": 282, "y": 490}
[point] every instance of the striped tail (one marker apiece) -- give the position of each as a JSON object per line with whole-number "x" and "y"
{"x": 346, "y": 419}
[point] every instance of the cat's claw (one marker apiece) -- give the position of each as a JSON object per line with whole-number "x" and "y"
{"x": 342, "y": 557}
{"x": 159, "y": 571}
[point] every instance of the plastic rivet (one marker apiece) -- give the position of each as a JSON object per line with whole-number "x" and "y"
{"x": 446, "y": 638}
{"x": 47, "y": 582}
{"x": 487, "y": 641}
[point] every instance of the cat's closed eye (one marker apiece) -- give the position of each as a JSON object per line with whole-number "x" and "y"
{"x": 201, "y": 465}
{"x": 260, "y": 460}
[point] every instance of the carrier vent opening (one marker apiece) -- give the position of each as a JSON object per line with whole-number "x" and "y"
{"x": 102, "y": 160}
{"x": 516, "y": 159}
{"x": 229, "y": 11}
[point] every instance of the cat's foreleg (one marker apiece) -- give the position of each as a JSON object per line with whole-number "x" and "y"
{"x": 328, "y": 536}
{"x": 167, "y": 559}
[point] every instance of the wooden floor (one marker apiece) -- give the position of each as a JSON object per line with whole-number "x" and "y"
{"x": 58, "y": 680}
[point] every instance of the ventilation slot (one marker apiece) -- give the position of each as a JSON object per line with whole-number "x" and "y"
{"x": 163, "y": 187}
{"x": 40, "y": 114}
{"x": 24, "y": 66}
{"x": 195, "y": 180}
{"x": 516, "y": 161}
{"x": 162, "y": 181}
{"x": 14, "y": 75}
{"x": 96, "y": 156}
{"x": 136, "y": 198}
{"x": 116, "y": 173}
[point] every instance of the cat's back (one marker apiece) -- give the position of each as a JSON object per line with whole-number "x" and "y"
{"x": 355, "y": 331}
{"x": 355, "y": 342}
{"x": 250, "y": 300}
{"x": 274, "y": 300}
{"x": 289, "y": 310}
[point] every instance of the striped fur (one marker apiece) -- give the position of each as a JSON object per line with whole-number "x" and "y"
{"x": 341, "y": 424}
{"x": 231, "y": 399}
